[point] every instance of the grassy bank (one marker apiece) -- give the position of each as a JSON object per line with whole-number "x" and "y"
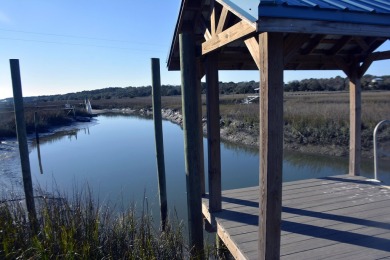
{"x": 312, "y": 119}
{"x": 315, "y": 120}
{"x": 49, "y": 116}
{"x": 80, "y": 228}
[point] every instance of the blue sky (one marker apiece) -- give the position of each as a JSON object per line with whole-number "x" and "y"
{"x": 71, "y": 45}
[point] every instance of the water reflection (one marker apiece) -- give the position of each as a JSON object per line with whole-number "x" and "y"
{"x": 117, "y": 159}
{"x": 39, "y": 156}
{"x": 56, "y": 137}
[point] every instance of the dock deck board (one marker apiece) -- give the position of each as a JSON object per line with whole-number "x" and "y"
{"x": 340, "y": 217}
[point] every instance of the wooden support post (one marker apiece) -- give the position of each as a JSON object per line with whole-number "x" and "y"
{"x": 271, "y": 144}
{"x": 213, "y": 132}
{"x": 192, "y": 139}
{"x": 355, "y": 121}
{"x": 158, "y": 134}
{"x": 200, "y": 148}
{"x": 22, "y": 140}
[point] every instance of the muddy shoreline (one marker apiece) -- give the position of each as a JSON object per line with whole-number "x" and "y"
{"x": 249, "y": 137}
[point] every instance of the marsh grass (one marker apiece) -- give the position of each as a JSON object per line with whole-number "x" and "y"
{"x": 316, "y": 118}
{"x": 324, "y": 118}
{"x": 47, "y": 120}
{"x": 81, "y": 228}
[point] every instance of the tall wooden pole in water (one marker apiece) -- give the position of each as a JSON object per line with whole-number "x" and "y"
{"x": 192, "y": 139}
{"x": 156, "y": 93}
{"x": 22, "y": 140}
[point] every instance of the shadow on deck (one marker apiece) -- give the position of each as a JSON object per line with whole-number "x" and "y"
{"x": 332, "y": 217}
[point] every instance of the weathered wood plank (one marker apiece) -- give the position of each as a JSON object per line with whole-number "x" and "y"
{"x": 339, "y": 220}
{"x": 338, "y": 237}
{"x": 373, "y": 214}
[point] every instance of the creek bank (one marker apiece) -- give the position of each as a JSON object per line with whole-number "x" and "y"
{"x": 248, "y": 134}
{"x": 240, "y": 133}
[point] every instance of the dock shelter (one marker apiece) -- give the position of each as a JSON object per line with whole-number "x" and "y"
{"x": 270, "y": 36}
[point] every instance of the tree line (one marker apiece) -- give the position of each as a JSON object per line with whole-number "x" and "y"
{"x": 369, "y": 82}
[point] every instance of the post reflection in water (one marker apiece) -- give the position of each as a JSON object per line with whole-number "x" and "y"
{"x": 39, "y": 156}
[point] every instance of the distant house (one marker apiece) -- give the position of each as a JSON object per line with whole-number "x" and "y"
{"x": 376, "y": 82}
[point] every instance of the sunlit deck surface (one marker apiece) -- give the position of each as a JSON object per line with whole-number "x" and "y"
{"x": 340, "y": 217}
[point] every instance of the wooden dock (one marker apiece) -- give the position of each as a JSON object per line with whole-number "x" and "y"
{"x": 340, "y": 217}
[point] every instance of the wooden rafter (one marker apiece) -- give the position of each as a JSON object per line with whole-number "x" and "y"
{"x": 220, "y": 35}
{"x": 222, "y": 20}
{"x": 313, "y": 43}
{"x": 253, "y": 46}
{"x": 292, "y": 44}
{"x": 212, "y": 19}
{"x": 338, "y": 45}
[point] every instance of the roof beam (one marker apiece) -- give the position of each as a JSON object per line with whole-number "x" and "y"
{"x": 229, "y": 35}
{"x": 321, "y": 27}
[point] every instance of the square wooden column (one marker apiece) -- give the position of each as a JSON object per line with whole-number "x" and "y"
{"x": 192, "y": 140}
{"x": 355, "y": 122}
{"x": 213, "y": 132}
{"x": 271, "y": 144}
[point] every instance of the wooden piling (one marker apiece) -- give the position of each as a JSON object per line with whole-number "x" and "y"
{"x": 271, "y": 144}
{"x": 22, "y": 140}
{"x": 213, "y": 133}
{"x": 192, "y": 138}
{"x": 158, "y": 134}
{"x": 355, "y": 111}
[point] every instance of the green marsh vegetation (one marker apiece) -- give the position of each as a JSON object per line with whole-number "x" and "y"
{"x": 311, "y": 118}
{"x": 49, "y": 115}
{"x": 81, "y": 228}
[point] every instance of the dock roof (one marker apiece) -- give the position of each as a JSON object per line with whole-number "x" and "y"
{"x": 318, "y": 34}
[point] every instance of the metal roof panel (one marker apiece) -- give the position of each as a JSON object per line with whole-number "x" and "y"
{"x": 247, "y": 8}
{"x": 350, "y": 11}
{"x": 355, "y": 11}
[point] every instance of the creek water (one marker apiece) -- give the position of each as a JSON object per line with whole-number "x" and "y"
{"x": 115, "y": 159}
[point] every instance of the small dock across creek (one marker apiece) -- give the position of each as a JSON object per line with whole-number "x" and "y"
{"x": 340, "y": 217}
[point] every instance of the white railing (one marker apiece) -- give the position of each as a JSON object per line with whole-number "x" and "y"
{"x": 375, "y": 147}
